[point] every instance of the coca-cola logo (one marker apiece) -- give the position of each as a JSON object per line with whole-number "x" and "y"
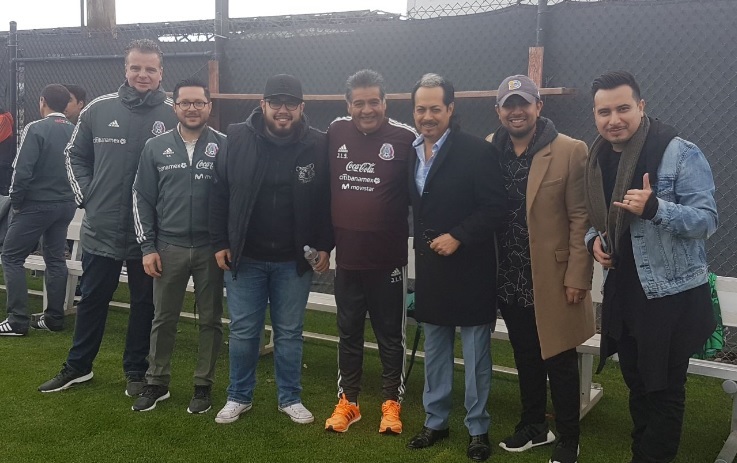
{"x": 205, "y": 165}
{"x": 364, "y": 168}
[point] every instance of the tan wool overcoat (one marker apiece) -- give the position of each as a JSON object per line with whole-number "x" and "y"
{"x": 557, "y": 223}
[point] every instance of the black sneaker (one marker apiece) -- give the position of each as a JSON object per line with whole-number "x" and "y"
{"x": 201, "y": 401}
{"x": 64, "y": 380}
{"x": 7, "y": 330}
{"x": 565, "y": 452}
{"x": 527, "y": 436}
{"x": 41, "y": 324}
{"x": 152, "y": 394}
{"x": 134, "y": 386}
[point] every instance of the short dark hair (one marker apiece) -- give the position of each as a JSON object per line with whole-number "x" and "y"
{"x": 144, "y": 46}
{"x": 431, "y": 80}
{"x": 362, "y": 79}
{"x": 191, "y": 82}
{"x": 614, "y": 79}
{"x": 79, "y": 93}
{"x": 56, "y": 97}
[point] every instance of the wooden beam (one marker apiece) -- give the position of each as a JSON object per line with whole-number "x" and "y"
{"x": 101, "y": 14}
{"x": 390, "y": 96}
{"x": 535, "y": 65}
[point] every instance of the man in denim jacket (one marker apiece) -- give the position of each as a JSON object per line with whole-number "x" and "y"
{"x": 650, "y": 199}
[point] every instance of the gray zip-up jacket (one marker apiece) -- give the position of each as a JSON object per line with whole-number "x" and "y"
{"x": 102, "y": 160}
{"x": 39, "y": 173}
{"x": 171, "y": 194}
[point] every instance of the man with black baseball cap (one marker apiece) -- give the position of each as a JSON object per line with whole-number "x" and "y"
{"x": 544, "y": 268}
{"x": 270, "y": 198}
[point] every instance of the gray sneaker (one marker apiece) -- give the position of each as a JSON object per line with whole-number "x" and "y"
{"x": 135, "y": 386}
{"x": 201, "y": 401}
{"x": 152, "y": 394}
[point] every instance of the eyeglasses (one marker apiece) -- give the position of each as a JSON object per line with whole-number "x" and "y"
{"x": 429, "y": 235}
{"x": 188, "y": 104}
{"x": 290, "y": 104}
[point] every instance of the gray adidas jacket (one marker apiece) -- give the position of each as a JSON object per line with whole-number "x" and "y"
{"x": 102, "y": 160}
{"x": 38, "y": 170}
{"x": 170, "y": 194}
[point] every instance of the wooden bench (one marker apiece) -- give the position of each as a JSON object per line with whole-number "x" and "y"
{"x": 74, "y": 264}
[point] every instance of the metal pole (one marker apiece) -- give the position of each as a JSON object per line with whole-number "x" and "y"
{"x": 542, "y": 23}
{"x": 13, "y": 54}
{"x": 81, "y": 13}
{"x": 221, "y": 28}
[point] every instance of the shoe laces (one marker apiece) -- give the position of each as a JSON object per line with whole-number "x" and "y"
{"x": 344, "y": 408}
{"x": 231, "y": 406}
{"x": 391, "y": 408}
{"x": 151, "y": 391}
{"x": 201, "y": 392}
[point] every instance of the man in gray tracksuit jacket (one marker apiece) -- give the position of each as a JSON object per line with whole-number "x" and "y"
{"x": 102, "y": 160}
{"x": 43, "y": 205}
{"x": 170, "y": 210}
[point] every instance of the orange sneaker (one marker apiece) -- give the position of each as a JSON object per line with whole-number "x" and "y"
{"x": 390, "y": 421}
{"x": 344, "y": 415}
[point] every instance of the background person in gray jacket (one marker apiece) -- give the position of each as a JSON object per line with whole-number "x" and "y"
{"x": 170, "y": 209}
{"x": 101, "y": 161}
{"x": 43, "y": 205}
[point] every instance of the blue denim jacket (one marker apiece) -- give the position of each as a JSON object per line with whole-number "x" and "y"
{"x": 669, "y": 250}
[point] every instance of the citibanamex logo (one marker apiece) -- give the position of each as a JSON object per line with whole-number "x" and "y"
{"x": 363, "y": 168}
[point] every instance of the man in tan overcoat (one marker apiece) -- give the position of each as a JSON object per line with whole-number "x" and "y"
{"x": 544, "y": 267}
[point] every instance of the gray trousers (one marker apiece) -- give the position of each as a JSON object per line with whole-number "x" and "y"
{"x": 178, "y": 263}
{"x": 37, "y": 219}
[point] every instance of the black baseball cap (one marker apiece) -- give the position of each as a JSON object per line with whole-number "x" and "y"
{"x": 283, "y": 84}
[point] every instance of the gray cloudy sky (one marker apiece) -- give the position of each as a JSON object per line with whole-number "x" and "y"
{"x": 37, "y": 14}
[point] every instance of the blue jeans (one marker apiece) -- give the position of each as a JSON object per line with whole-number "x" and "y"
{"x": 37, "y": 219}
{"x": 286, "y": 293}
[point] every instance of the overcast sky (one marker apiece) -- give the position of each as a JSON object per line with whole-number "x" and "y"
{"x": 37, "y": 14}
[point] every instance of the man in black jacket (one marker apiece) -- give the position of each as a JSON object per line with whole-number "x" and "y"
{"x": 170, "y": 199}
{"x": 458, "y": 200}
{"x": 101, "y": 162}
{"x": 269, "y": 200}
{"x": 43, "y": 205}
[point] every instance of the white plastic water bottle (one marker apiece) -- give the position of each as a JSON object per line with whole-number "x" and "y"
{"x": 311, "y": 255}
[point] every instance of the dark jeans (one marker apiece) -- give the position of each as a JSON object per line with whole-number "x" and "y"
{"x": 34, "y": 220}
{"x": 657, "y": 416}
{"x": 561, "y": 369}
{"x": 101, "y": 276}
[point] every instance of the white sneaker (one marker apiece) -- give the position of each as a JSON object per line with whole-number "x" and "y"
{"x": 231, "y": 411}
{"x": 298, "y": 413}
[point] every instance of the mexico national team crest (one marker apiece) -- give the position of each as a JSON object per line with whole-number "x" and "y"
{"x": 307, "y": 173}
{"x": 211, "y": 149}
{"x": 158, "y": 128}
{"x": 386, "y": 152}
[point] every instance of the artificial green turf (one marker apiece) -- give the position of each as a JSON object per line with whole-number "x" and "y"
{"x": 93, "y": 422}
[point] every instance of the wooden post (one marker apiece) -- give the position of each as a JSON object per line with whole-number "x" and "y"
{"x": 535, "y": 65}
{"x": 214, "y": 85}
{"x": 101, "y": 14}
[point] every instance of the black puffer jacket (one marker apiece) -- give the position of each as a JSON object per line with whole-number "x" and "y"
{"x": 239, "y": 173}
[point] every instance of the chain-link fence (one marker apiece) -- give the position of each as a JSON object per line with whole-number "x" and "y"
{"x": 688, "y": 76}
{"x": 94, "y": 59}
